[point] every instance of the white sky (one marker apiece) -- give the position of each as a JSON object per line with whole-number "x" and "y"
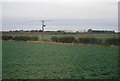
{"x": 101, "y": 12}
{"x": 60, "y": 0}
{"x": 51, "y": 10}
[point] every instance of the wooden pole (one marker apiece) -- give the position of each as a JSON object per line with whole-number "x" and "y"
{"x": 43, "y": 30}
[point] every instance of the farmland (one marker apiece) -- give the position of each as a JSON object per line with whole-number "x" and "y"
{"x": 22, "y": 60}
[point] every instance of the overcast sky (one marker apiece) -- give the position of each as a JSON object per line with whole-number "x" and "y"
{"x": 71, "y": 14}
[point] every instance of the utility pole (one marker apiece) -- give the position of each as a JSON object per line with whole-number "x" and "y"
{"x": 43, "y": 25}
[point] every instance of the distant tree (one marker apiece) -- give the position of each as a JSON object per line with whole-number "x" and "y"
{"x": 10, "y": 31}
{"x": 77, "y": 31}
{"x": 32, "y": 30}
{"x": 35, "y": 30}
{"x": 16, "y": 31}
{"x": 27, "y": 31}
{"x": 59, "y": 31}
{"x": 40, "y": 30}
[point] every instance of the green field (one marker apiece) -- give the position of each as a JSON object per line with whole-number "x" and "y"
{"x": 23, "y": 60}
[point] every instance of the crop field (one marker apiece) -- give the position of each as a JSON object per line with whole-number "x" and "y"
{"x": 22, "y": 60}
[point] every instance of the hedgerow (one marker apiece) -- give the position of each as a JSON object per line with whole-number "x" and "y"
{"x": 55, "y": 39}
{"x": 66, "y": 39}
{"x": 63, "y": 39}
{"x": 25, "y": 38}
{"x": 89, "y": 40}
{"x": 112, "y": 41}
{"x": 6, "y": 37}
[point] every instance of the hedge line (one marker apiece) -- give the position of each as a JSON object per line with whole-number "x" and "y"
{"x": 63, "y": 39}
{"x": 90, "y": 41}
{"x": 6, "y": 37}
{"x": 108, "y": 41}
{"x": 112, "y": 41}
{"x": 20, "y": 38}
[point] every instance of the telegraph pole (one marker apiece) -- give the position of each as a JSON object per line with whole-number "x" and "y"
{"x": 43, "y": 25}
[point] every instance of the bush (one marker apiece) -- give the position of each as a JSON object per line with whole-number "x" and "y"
{"x": 20, "y": 38}
{"x": 100, "y": 41}
{"x": 112, "y": 41}
{"x": 25, "y": 38}
{"x": 6, "y": 37}
{"x": 35, "y": 38}
{"x": 89, "y": 40}
{"x": 63, "y": 39}
{"x": 66, "y": 39}
{"x": 55, "y": 39}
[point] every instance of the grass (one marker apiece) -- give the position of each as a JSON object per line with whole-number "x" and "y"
{"x": 23, "y": 60}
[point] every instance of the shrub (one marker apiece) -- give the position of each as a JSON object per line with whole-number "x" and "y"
{"x": 20, "y": 38}
{"x": 34, "y": 38}
{"x": 25, "y": 38}
{"x": 66, "y": 39}
{"x": 55, "y": 39}
{"x": 112, "y": 41}
{"x": 89, "y": 40}
{"x": 76, "y": 41}
{"x": 100, "y": 41}
{"x": 6, "y": 37}
{"x": 63, "y": 39}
